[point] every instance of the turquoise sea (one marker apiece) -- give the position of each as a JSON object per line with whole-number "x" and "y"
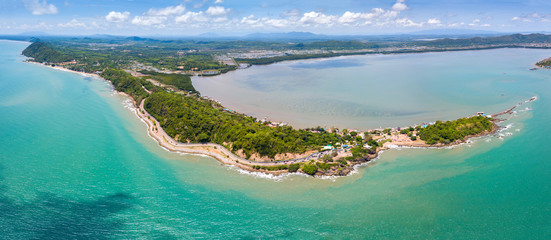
{"x": 76, "y": 163}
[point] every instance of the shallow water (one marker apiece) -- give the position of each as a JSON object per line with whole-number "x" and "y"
{"x": 372, "y": 91}
{"x": 77, "y": 163}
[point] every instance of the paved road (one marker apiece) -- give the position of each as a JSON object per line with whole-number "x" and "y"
{"x": 157, "y": 132}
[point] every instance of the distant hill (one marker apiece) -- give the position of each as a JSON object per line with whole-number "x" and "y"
{"x": 137, "y": 39}
{"x": 208, "y": 35}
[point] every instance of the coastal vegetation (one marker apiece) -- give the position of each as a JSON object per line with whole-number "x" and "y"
{"x": 544, "y": 63}
{"x": 212, "y": 57}
{"x": 451, "y": 131}
{"x": 502, "y": 41}
{"x": 124, "y": 82}
{"x": 310, "y": 169}
{"x": 191, "y": 119}
{"x": 44, "y": 52}
{"x": 180, "y": 81}
{"x": 134, "y": 66}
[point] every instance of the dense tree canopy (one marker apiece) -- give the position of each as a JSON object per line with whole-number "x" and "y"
{"x": 43, "y": 52}
{"x": 124, "y": 82}
{"x": 196, "y": 120}
{"x": 450, "y": 131}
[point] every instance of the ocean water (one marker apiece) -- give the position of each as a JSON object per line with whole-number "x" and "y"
{"x": 76, "y": 163}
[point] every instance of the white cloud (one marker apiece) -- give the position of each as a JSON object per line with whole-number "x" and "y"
{"x": 375, "y": 17}
{"x": 317, "y": 18}
{"x": 349, "y": 17}
{"x": 218, "y": 1}
{"x": 252, "y": 21}
{"x": 168, "y": 11}
{"x": 72, "y": 24}
{"x": 475, "y": 23}
{"x": 158, "y": 21}
{"x": 534, "y": 17}
{"x": 399, "y": 6}
{"x": 158, "y": 17}
{"x": 219, "y": 17}
{"x": 407, "y": 22}
{"x": 117, "y": 16}
{"x": 434, "y": 21}
{"x": 278, "y": 23}
{"x": 217, "y": 10}
{"x": 40, "y": 8}
{"x": 190, "y": 17}
{"x": 458, "y": 24}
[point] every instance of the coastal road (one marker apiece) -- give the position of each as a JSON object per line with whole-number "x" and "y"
{"x": 220, "y": 152}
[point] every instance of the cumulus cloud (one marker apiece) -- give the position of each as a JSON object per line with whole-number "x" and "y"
{"x": 157, "y": 21}
{"x": 157, "y": 17}
{"x": 399, "y": 6}
{"x": 216, "y": 10}
{"x": 117, "y": 16}
{"x": 252, "y": 21}
{"x": 349, "y": 17}
{"x": 40, "y": 8}
{"x": 434, "y": 21}
{"x": 376, "y": 16}
{"x": 190, "y": 17}
{"x": 407, "y": 22}
{"x": 317, "y": 18}
{"x": 218, "y": 17}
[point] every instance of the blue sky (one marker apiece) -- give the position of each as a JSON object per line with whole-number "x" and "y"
{"x": 234, "y": 17}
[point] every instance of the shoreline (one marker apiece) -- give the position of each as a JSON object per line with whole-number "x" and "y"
{"x": 217, "y": 151}
{"x": 225, "y": 156}
{"x": 67, "y": 70}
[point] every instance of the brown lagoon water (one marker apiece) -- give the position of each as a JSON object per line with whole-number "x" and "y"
{"x": 372, "y": 91}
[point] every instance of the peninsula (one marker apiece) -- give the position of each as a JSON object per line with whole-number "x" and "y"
{"x": 180, "y": 119}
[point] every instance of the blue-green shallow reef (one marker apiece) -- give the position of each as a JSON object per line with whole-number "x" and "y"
{"x": 76, "y": 162}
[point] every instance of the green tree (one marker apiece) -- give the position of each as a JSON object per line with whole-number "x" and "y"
{"x": 310, "y": 169}
{"x": 203, "y": 137}
{"x": 294, "y": 167}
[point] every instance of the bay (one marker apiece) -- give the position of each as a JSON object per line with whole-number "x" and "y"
{"x": 76, "y": 162}
{"x": 378, "y": 91}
